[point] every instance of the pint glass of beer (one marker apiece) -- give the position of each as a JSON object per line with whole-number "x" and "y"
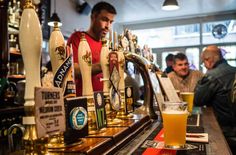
{"x": 175, "y": 123}
{"x": 188, "y": 97}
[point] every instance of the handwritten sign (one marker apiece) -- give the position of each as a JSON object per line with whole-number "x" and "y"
{"x": 49, "y": 111}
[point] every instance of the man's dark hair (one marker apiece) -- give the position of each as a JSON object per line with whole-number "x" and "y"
{"x": 103, "y": 6}
{"x": 180, "y": 56}
{"x": 170, "y": 57}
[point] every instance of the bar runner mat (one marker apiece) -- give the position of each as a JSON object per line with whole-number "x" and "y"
{"x": 200, "y": 148}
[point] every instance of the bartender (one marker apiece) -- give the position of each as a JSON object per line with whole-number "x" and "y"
{"x": 102, "y": 17}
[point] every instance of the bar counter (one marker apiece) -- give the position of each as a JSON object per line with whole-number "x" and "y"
{"x": 128, "y": 137}
{"x": 217, "y": 143}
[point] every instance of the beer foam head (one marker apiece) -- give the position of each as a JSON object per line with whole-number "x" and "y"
{"x": 174, "y": 106}
{"x": 174, "y": 112}
{"x": 187, "y": 93}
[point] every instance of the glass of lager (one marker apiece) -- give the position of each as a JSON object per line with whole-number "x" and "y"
{"x": 188, "y": 97}
{"x": 174, "y": 116}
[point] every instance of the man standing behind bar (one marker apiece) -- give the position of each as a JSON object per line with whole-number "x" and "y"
{"x": 215, "y": 89}
{"x": 183, "y": 78}
{"x": 102, "y": 17}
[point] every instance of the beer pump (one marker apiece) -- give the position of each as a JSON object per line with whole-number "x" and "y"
{"x": 104, "y": 61}
{"x": 31, "y": 44}
{"x": 62, "y": 67}
{"x": 85, "y": 64}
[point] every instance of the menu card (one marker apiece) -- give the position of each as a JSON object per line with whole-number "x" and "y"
{"x": 168, "y": 88}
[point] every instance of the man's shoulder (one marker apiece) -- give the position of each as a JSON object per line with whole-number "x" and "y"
{"x": 196, "y": 73}
{"x": 75, "y": 34}
{"x": 221, "y": 70}
{"x": 172, "y": 74}
{"x": 74, "y": 38}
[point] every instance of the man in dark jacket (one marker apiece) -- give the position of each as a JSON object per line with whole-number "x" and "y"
{"x": 215, "y": 89}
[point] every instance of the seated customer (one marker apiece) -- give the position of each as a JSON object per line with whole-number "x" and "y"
{"x": 183, "y": 78}
{"x": 169, "y": 63}
{"x": 215, "y": 88}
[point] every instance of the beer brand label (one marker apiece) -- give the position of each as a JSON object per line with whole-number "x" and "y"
{"x": 61, "y": 73}
{"x": 100, "y": 110}
{"x": 70, "y": 89}
{"x": 64, "y": 78}
{"x": 78, "y": 118}
{"x": 128, "y": 98}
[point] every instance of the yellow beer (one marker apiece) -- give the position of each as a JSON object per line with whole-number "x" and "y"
{"x": 175, "y": 124}
{"x": 188, "y": 97}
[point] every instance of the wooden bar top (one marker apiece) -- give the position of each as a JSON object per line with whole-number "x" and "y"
{"x": 217, "y": 142}
{"x": 108, "y": 142}
{"x": 116, "y": 133}
{"x": 88, "y": 146}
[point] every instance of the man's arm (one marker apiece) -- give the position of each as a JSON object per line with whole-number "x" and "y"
{"x": 204, "y": 91}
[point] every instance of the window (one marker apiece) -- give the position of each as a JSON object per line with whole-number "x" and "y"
{"x": 169, "y": 36}
{"x": 193, "y": 57}
{"x": 186, "y": 38}
{"x": 229, "y": 53}
{"x": 219, "y": 32}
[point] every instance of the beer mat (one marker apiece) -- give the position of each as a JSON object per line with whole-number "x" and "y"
{"x": 161, "y": 145}
{"x": 193, "y": 120}
{"x": 151, "y": 145}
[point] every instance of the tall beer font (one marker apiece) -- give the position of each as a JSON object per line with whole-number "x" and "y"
{"x": 62, "y": 67}
{"x": 85, "y": 65}
{"x": 30, "y": 37}
{"x": 104, "y": 61}
{"x": 56, "y": 48}
{"x": 61, "y": 60}
{"x": 123, "y": 112}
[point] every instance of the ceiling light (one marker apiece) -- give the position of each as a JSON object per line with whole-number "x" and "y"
{"x": 170, "y": 5}
{"x": 54, "y": 19}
